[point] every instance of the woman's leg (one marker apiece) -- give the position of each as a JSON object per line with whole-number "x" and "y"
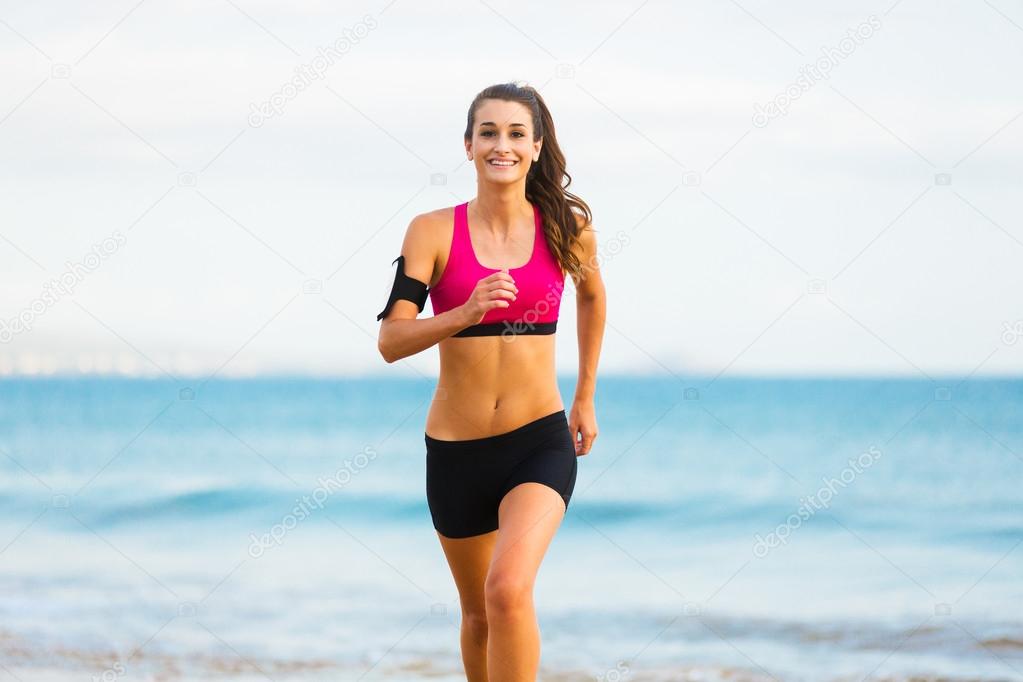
{"x": 469, "y": 559}
{"x": 529, "y": 516}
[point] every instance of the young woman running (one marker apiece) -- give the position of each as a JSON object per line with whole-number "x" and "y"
{"x": 500, "y": 451}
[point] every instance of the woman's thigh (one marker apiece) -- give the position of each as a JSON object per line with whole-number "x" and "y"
{"x": 469, "y": 560}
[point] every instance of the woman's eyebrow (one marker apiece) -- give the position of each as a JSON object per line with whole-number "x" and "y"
{"x": 510, "y": 125}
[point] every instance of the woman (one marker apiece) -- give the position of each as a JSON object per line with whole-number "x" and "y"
{"x": 500, "y": 452}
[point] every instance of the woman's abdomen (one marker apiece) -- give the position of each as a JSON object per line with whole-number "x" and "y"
{"x": 488, "y": 385}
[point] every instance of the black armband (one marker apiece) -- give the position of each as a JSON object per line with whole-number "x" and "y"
{"x": 405, "y": 287}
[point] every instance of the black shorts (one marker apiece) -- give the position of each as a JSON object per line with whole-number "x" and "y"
{"x": 467, "y": 479}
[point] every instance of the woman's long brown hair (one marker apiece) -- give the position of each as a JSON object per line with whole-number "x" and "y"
{"x": 547, "y": 182}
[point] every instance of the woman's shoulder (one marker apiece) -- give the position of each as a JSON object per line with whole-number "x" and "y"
{"x": 427, "y": 241}
{"x": 429, "y": 225}
{"x": 584, "y": 244}
{"x": 580, "y": 219}
{"x": 433, "y": 221}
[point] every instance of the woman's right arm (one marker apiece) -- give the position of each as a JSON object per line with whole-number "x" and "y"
{"x": 401, "y": 334}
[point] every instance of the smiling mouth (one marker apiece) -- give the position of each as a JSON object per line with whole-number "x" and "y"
{"x": 507, "y": 164}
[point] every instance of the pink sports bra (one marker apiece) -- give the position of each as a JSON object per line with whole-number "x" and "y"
{"x": 540, "y": 283}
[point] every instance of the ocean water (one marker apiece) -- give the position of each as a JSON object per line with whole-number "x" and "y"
{"x": 737, "y": 529}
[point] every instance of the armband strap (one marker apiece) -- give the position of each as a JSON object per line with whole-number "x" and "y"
{"x": 406, "y": 288}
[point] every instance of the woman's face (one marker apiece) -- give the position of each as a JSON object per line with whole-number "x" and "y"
{"x": 503, "y": 131}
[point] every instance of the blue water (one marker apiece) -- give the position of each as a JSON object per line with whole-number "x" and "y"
{"x": 796, "y": 530}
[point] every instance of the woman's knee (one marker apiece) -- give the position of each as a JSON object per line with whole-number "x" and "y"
{"x": 507, "y": 594}
{"x": 475, "y": 622}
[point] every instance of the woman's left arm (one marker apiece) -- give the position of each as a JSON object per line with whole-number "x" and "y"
{"x": 591, "y": 306}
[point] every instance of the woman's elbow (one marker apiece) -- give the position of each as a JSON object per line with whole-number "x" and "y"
{"x": 385, "y": 349}
{"x": 388, "y": 354}
{"x": 593, "y": 296}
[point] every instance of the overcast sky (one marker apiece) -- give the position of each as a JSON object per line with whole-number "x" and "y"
{"x": 800, "y": 190}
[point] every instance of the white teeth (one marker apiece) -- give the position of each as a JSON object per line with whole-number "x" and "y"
{"x": 503, "y": 163}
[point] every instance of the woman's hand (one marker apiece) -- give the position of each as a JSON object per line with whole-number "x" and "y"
{"x": 582, "y": 420}
{"x": 493, "y": 291}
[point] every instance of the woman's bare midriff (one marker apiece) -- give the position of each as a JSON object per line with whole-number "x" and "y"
{"x": 489, "y": 385}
